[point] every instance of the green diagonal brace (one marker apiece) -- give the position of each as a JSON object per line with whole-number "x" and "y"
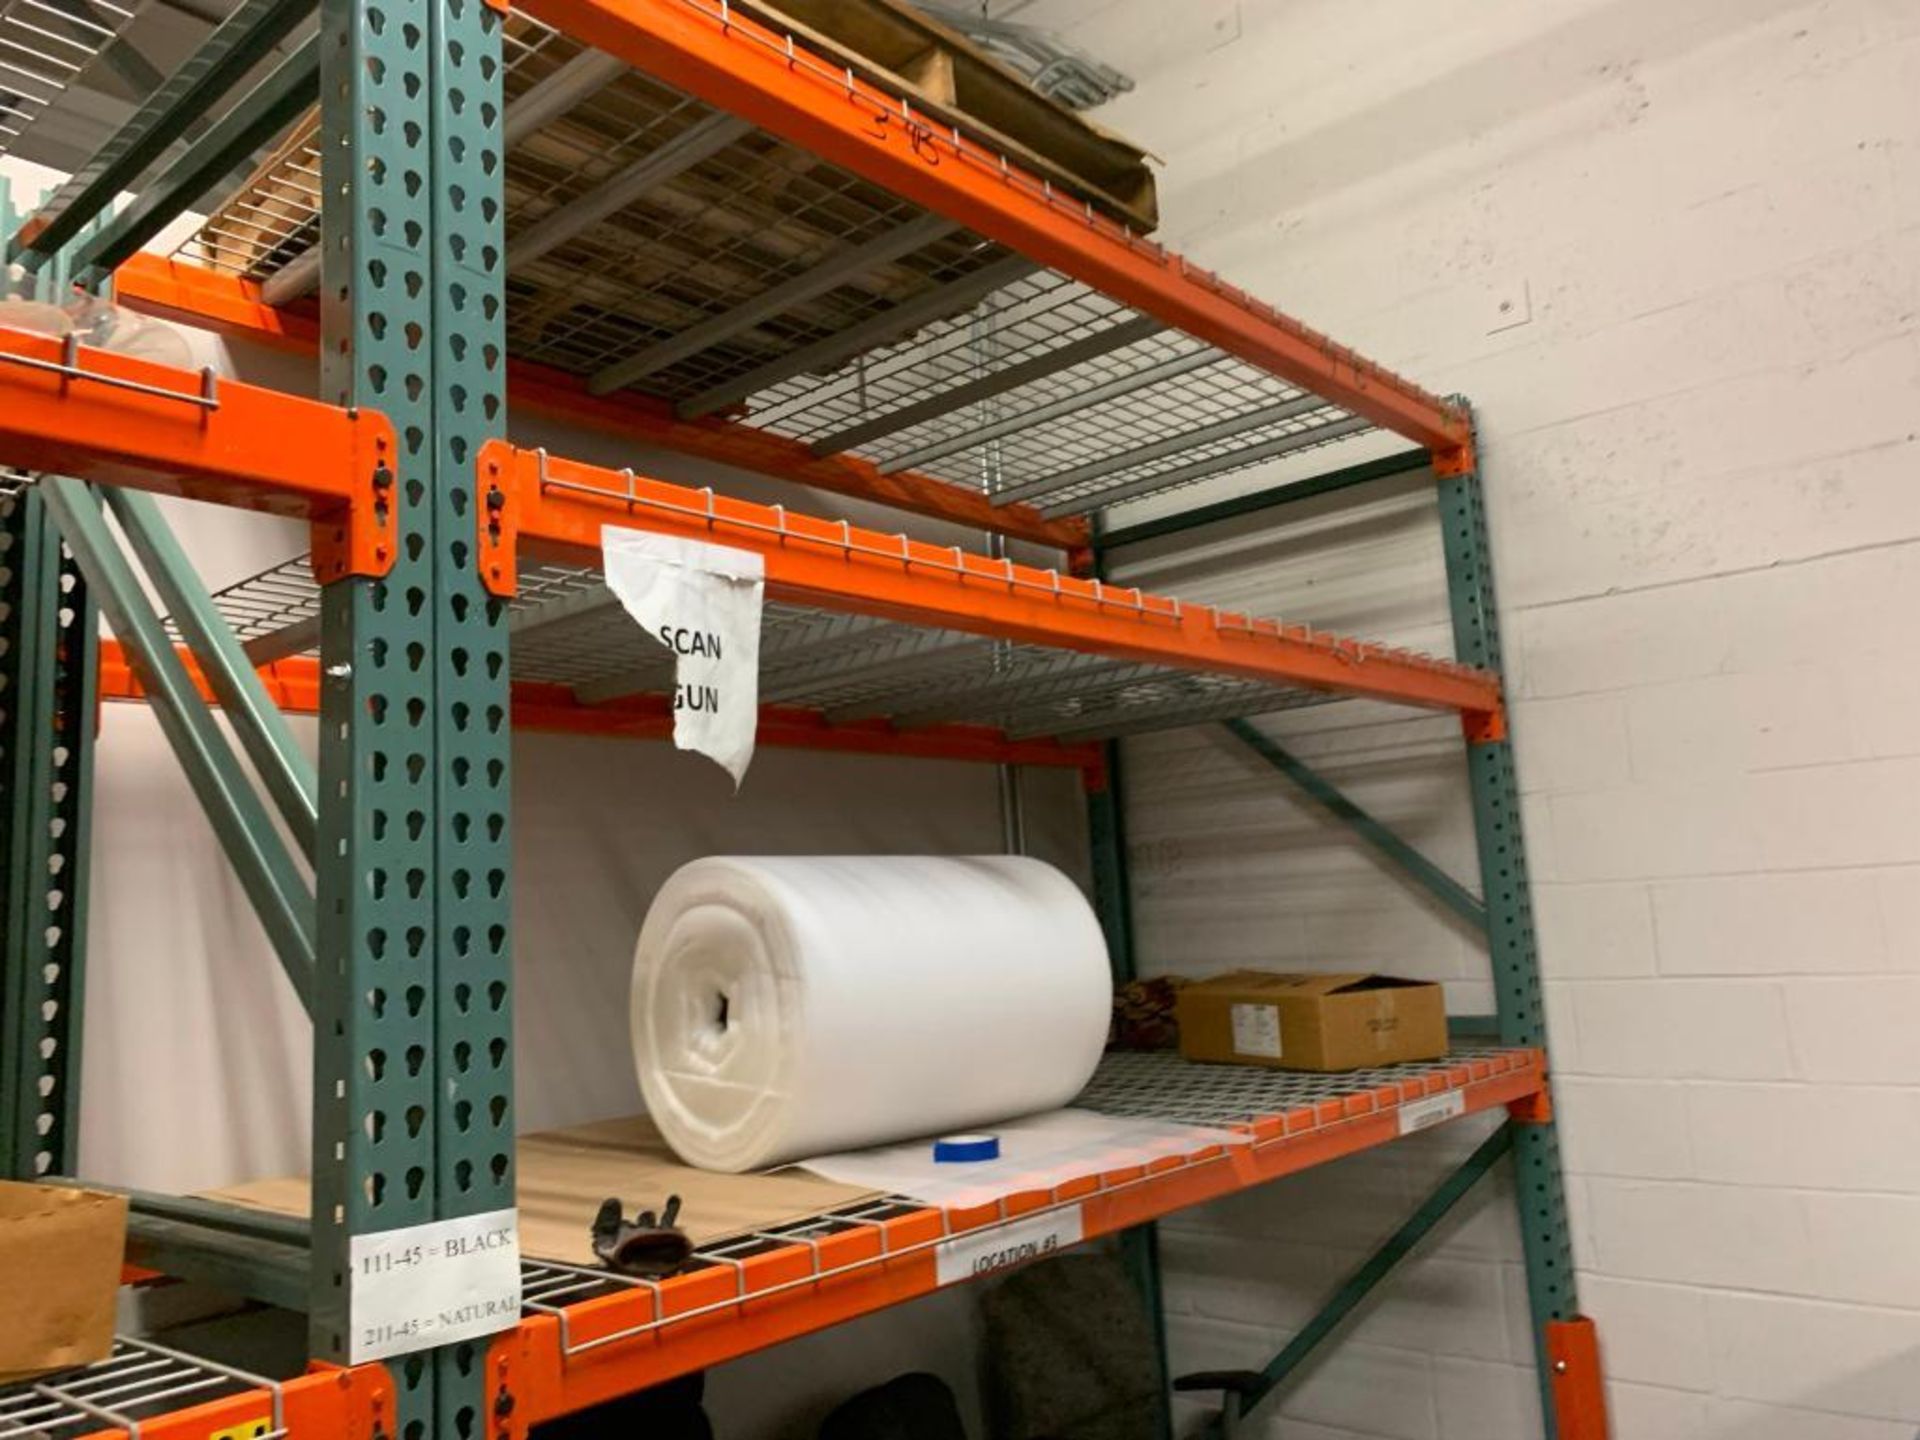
{"x": 241, "y": 41}
{"x": 262, "y": 730}
{"x": 255, "y": 118}
{"x": 246, "y": 832}
{"x": 1377, "y": 1265}
{"x": 1415, "y": 866}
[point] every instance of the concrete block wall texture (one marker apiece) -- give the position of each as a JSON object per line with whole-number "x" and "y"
{"x": 1672, "y": 252}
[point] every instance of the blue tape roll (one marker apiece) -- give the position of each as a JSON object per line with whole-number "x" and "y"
{"x": 965, "y": 1149}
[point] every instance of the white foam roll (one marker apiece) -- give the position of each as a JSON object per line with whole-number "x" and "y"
{"x": 792, "y": 1006}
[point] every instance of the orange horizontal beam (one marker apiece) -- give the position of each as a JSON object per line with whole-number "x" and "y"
{"x": 730, "y": 61}
{"x": 621, "y": 1345}
{"x": 294, "y": 685}
{"x": 194, "y": 295}
{"x": 327, "y": 1403}
{"x": 558, "y": 507}
{"x": 117, "y": 420}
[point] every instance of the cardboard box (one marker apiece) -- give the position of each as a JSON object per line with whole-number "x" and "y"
{"x": 1312, "y": 1022}
{"x": 60, "y": 1253}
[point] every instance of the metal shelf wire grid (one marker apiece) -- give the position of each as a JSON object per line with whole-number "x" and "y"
{"x": 141, "y": 1380}
{"x": 568, "y": 629}
{"x": 1164, "y": 1086}
{"x": 1051, "y": 393}
{"x": 274, "y": 216}
{"x": 1158, "y": 1084}
{"x": 44, "y": 47}
{"x": 727, "y": 215}
{"x": 138, "y": 1382}
{"x": 656, "y": 243}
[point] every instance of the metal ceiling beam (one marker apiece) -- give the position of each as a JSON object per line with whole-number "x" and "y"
{"x": 1213, "y": 465}
{"x": 578, "y": 80}
{"x": 284, "y": 643}
{"x": 830, "y": 274}
{"x": 700, "y": 141}
{"x": 240, "y": 42}
{"x": 1053, "y": 410}
{"x": 999, "y": 382}
{"x": 824, "y": 354}
{"x": 582, "y": 77}
{"x": 1181, "y": 443}
{"x": 255, "y": 118}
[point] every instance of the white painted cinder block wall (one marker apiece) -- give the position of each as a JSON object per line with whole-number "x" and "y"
{"x": 1672, "y": 252}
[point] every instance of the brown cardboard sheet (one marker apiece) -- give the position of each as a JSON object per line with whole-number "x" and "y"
{"x": 565, "y": 1174}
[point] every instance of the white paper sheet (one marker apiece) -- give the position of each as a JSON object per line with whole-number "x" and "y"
{"x": 703, "y": 603}
{"x": 1036, "y": 1153}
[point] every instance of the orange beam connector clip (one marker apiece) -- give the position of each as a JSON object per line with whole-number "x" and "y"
{"x": 113, "y": 419}
{"x": 496, "y": 520}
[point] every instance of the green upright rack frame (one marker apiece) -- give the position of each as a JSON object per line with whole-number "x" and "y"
{"x": 403, "y": 948}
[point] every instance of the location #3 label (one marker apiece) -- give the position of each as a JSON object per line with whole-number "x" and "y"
{"x": 434, "y": 1284}
{"x": 967, "y": 1257}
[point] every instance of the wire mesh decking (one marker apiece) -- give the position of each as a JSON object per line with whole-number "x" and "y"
{"x": 656, "y": 243}
{"x": 138, "y": 1382}
{"x": 608, "y": 1317}
{"x": 568, "y": 629}
{"x": 1269, "y": 1109}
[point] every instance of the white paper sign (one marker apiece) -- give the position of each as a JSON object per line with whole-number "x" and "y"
{"x": 1421, "y": 1114}
{"x": 1256, "y": 1030}
{"x": 703, "y": 603}
{"x": 968, "y": 1257}
{"x": 434, "y": 1284}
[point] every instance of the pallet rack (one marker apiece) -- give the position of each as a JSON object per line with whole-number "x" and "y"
{"x": 552, "y": 210}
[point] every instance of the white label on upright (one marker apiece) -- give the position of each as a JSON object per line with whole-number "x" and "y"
{"x": 1421, "y": 1114}
{"x": 968, "y": 1257}
{"x": 434, "y": 1284}
{"x": 1256, "y": 1030}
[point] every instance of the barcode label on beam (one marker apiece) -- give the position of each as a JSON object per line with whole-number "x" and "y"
{"x": 1424, "y": 1114}
{"x": 968, "y": 1257}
